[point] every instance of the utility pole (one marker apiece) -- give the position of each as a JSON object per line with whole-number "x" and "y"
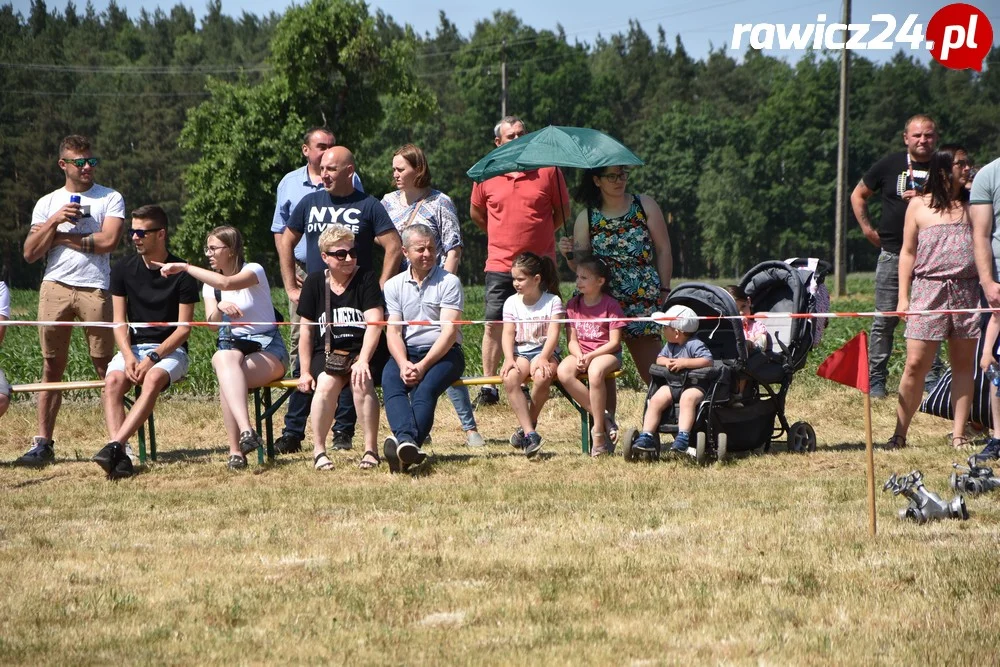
{"x": 503, "y": 78}
{"x": 840, "y": 242}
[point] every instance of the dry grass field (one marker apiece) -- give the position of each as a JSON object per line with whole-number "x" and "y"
{"x": 486, "y": 557}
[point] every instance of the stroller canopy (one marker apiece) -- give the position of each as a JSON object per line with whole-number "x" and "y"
{"x": 724, "y": 338}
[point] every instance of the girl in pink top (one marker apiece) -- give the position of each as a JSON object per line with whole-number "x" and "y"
{"x": 594, "y": 349}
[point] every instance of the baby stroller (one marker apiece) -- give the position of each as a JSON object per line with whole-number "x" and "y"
{"x": 728, "y": 421}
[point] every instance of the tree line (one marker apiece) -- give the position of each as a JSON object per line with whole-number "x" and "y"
{"x": 205, "y": 118}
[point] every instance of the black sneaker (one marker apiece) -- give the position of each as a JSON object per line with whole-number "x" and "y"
{"x": 249, "y": 442}
{"x": 646, "y": 443}
{"x": 237, "y": 462}
{"x": 409, "y": 455}
{"x": 877, "y": 390}
{"x": 487, "y": 396}
{"x": 123, "y": 469}
{"x": 110, "y": 456}
{"x": 517, "y": 439}
{"x": 532, "y": 443}
{"x": 991, "y": 451}
{"x": 288, "y": 444}
{"x": 389, "y": 447}
{"x": 40, "y": 455}
{"x": 342, "y": 441}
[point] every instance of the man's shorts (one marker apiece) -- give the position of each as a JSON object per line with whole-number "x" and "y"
{"x": 174, "y": 364}
{"x": 499, "y": 288}
{"x": 4, "y": 385}
{"x": 62, "y": 303}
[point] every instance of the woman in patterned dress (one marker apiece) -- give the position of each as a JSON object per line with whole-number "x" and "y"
{"x": 627, "y": 232}
{"x": 937, "y": 271}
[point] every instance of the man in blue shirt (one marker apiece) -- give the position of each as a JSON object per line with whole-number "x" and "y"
{"x": 337, "y": 202}
{"x": 293, "y": 187}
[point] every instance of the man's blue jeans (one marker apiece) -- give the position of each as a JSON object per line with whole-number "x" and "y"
{"x": 463, "y": 407}
{"x": 884, "y": 328}
{"x": 410, "y": 410}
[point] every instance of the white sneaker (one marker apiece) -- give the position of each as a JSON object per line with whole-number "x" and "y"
{"x": 474, "y": 439}
{"x": 131, "y": 455}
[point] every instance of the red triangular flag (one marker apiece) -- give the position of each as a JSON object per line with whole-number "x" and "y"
{"x": 849, "y": 364}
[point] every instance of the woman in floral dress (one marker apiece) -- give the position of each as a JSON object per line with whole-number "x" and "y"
{"x": 628, "y": 233}
{"x": 937, "y": 271}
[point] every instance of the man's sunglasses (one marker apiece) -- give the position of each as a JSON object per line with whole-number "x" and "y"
{"x": 141, "y": 233}
{"x": 342, "y": 254}
{"x": 81, "y": 161}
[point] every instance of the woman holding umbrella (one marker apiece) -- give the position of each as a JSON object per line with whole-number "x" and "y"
{"x": 628, "y": 233}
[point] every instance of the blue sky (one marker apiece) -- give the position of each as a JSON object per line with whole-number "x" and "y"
{"x": 700, "y": 23}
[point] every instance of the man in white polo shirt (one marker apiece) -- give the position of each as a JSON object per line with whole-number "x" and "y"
{"x": 426, "y": 359}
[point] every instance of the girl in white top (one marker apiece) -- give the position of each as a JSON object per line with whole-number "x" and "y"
{"x": 245, "y": 296}
{"x": 530, "y": 347}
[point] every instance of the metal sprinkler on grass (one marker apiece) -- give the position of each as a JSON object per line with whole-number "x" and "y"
{"x": 975, "y": 479}
{"x": 924, "y": 505}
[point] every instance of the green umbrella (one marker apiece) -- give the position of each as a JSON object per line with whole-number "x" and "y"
{"x": 554, "y": 146}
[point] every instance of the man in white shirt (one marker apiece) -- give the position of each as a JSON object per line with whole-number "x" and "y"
{"x": 75, "y": 240}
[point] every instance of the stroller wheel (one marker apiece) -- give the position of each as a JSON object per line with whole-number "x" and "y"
{"x": 627, "y": 437}
{"x": 722, "y": 447}
{"x": 801, "y": 438}
{"x": 701, "y": 448}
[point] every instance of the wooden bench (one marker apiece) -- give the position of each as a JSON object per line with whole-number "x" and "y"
{"x": 98, "y": 384}
{"x": 265, "y": 407}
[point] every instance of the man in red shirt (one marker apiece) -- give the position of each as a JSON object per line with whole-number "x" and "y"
{"x": 519, "y": 211}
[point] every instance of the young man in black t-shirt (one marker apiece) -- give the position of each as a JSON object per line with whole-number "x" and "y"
{"x": 899, "y": 177}
{"x": 152, "y": 357}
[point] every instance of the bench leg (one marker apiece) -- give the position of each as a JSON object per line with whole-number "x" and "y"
{"x": 584, "y": 418}
{"x": 141, "y": 435}
{"x": 264, "y": 411}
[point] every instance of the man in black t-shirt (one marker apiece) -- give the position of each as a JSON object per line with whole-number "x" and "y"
{"x": 899, "y": 177}
{"x": 152, "y": 357}
{"x": 337, "y": 203}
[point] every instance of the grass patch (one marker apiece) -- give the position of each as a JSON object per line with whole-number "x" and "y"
{"x": 488, "y": 557}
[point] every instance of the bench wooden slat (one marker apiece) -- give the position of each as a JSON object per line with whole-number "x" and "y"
{"x": 57, "y": 386}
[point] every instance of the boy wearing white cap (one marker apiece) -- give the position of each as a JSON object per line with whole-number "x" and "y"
{"x": 681, "y": 353}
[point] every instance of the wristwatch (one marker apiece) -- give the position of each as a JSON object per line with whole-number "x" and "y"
{"x": 154, "y": 356}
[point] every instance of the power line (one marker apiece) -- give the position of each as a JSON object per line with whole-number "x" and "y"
{"x": 138, "y": 69}
{"x": 70, "y": 93}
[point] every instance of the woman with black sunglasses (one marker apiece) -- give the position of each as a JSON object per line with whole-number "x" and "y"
{"x": 249, "y": 355}
{"x": 347, "y": 347}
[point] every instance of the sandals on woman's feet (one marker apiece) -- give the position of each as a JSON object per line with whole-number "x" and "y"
{"x": 369, "y": 460}
{"x": 322, "y": 462}
{"x": 600, "y": 445}
{"x": 960, "y": 441}
{"x": 896, "y": 442}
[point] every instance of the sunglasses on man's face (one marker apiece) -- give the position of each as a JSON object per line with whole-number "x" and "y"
{"x": 81, "y": 161}
{"x": 141, "y": 233}
{"x": 342, "y": 254}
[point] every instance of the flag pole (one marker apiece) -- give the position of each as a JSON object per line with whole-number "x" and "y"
{"x": 870, "y": 455}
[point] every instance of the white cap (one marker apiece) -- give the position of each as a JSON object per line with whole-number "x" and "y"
{"x": 681, "y": 318}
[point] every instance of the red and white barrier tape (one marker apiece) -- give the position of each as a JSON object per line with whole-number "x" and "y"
{"x": 659, "y": 320}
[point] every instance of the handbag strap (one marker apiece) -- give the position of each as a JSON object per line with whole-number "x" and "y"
{"x": 416, "y": 207}
{"x": 326, "y": 327}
